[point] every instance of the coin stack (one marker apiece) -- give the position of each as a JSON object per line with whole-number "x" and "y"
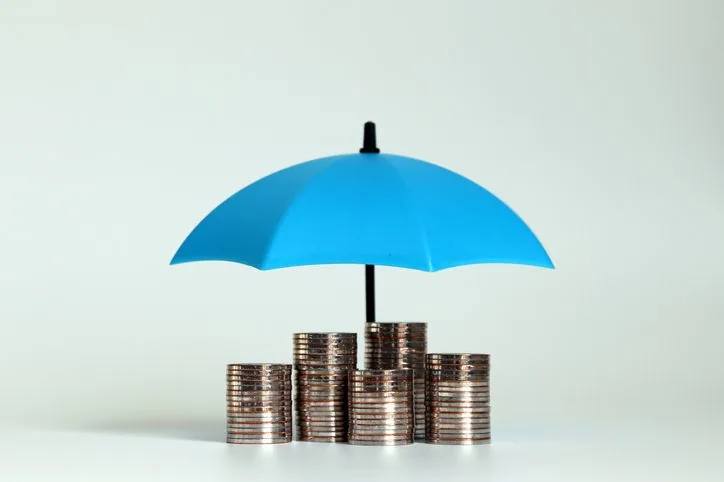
{"x": 258, "y": 403}
{"x": 400, "y": 345}
{"x": 381, "y": 407}
{"x": 322, "y": 362}
{"x": 458, "y": 399}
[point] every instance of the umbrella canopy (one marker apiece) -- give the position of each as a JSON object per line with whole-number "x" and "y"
{"x": 364, "y": 208}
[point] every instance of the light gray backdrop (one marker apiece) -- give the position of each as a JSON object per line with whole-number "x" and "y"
{"x": 123, "y": 123}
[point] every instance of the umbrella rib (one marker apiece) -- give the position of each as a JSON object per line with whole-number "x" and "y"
{"x": 288, "y": 208}
{"x": 416, "y": 214}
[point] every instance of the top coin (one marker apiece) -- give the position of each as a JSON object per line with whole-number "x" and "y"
{"x": 395, "y": 324}
{"x": 458, "y": 358}
{"x": 259, "y": 366}
{"x": 325, "y": 336}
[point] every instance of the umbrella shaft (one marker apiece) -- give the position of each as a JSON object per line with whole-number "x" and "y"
{"x": 370, "y": 292}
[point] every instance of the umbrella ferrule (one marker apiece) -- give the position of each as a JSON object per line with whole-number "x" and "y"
{"x": 369, "y": 141}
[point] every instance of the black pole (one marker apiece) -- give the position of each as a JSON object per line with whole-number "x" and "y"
{"x": 370, "y": 292}
{"x": 369, "y": 146}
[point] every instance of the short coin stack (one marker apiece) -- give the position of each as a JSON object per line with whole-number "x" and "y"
{"x": 381, "y": 407}
{"x": 258, "y": 403}
{"x": 322, "y": 362}
{"x": 400, "y": 345}
{"x": 458, "y": 399}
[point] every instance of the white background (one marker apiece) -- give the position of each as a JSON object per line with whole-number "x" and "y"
{"x": 123, "y": 123}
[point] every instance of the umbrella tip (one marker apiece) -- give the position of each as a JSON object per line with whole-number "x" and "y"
{"x": 369, "y": 142}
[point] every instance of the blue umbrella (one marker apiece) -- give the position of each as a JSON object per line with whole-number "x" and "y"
{"x": 367, "y": 208}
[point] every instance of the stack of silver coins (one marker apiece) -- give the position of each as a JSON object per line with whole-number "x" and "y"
{"x": 400, "y": 345}
{"x": 458, "y": 399}
{"x": 322, "y": 362}
{"x": 381, "y": 407}
{"x": 258, "y": 403}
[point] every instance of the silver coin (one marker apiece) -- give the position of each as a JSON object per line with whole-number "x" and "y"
{"x": 411, "y": 353}
{"x": 458, "y": 357}
{"x": 258, "y": 442}
{"x": 261, "y": 406}
{"x": 379, "y": 396}
{"x": 322, "y": 420}
{"x": 258, "y": 382}
{"x": 366, "y": 416}
{"x": 338, "y": 439}
{"x": 336, "y": 389}
{"x": 286, "y": 435}
{"x": 380, "y": 418}
{"x": 456, "y": 370}
{"x": 313, "y": 386}
{"x": 246, "y": 421}
{"x": 395, "y": 373}
{"x": 324, "y": 354}
{"x": 436, "y": 402}
{"x": 344, "y": 365}
{"x": 386, "y": 430}
{"x": 393, "y": 441}
{"x": 440, "y": 427}
{"x": 465, "y": 431}
{"x": 333, "y": 408}
{"x": 253, "y": 440}
{"x": 317, "y": 353}
{"x": 398, "y": 424}
{"x": 440, "y": 395}
{"x": 257, "y": 409}
{"x": 258, "y": 366}
{"x": 232, "y": 390}
{"x": 318, "y": 414}
{"x": 258, "y": 422}
{"x": 370, "y": 385}
{"x": 477, "y": 441}
{"x": 458, "y": 387}
{"x": 370, "y": 431}
{"x": 239, "y": 429}
{"x": 434, "y": 429}
{"x": 258, "y": 375}
{"x": 389, "y": 399}
{"x": 262, "y": 387}
{"x": 457, "y": 416}
{"x": 381, "y": 385}
{"x": 357, "y": 410}
{"x": 321, "y": 397}
{"x": 477, "y": 419}
{"x": 241, "y": 401}
{"x": 330, "y": 424}
{"x": 326, "y": 334}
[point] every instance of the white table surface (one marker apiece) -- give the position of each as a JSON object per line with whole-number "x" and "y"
{"x": 681, "y": 452}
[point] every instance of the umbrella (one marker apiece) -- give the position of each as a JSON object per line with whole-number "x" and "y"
{"x": 366, "y": 208}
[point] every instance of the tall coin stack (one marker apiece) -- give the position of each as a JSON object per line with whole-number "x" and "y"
{"x": 322, "y": 362}
{"x": 400, "y": 345}
{"x": 381, "y": 407}
{"x": 458, "y": 399}
{"x": 258, "y": 403}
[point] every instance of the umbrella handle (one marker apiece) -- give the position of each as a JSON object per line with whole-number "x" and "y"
{"x": 370, "y": 292}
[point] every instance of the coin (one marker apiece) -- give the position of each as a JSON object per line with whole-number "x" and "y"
{"x": 322, "y": 362}
{"x": 457, "y": 397}
{"x": 400, "y": 345}
{"x": 258, "y": 403}
{"x": 381, "y": 407}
